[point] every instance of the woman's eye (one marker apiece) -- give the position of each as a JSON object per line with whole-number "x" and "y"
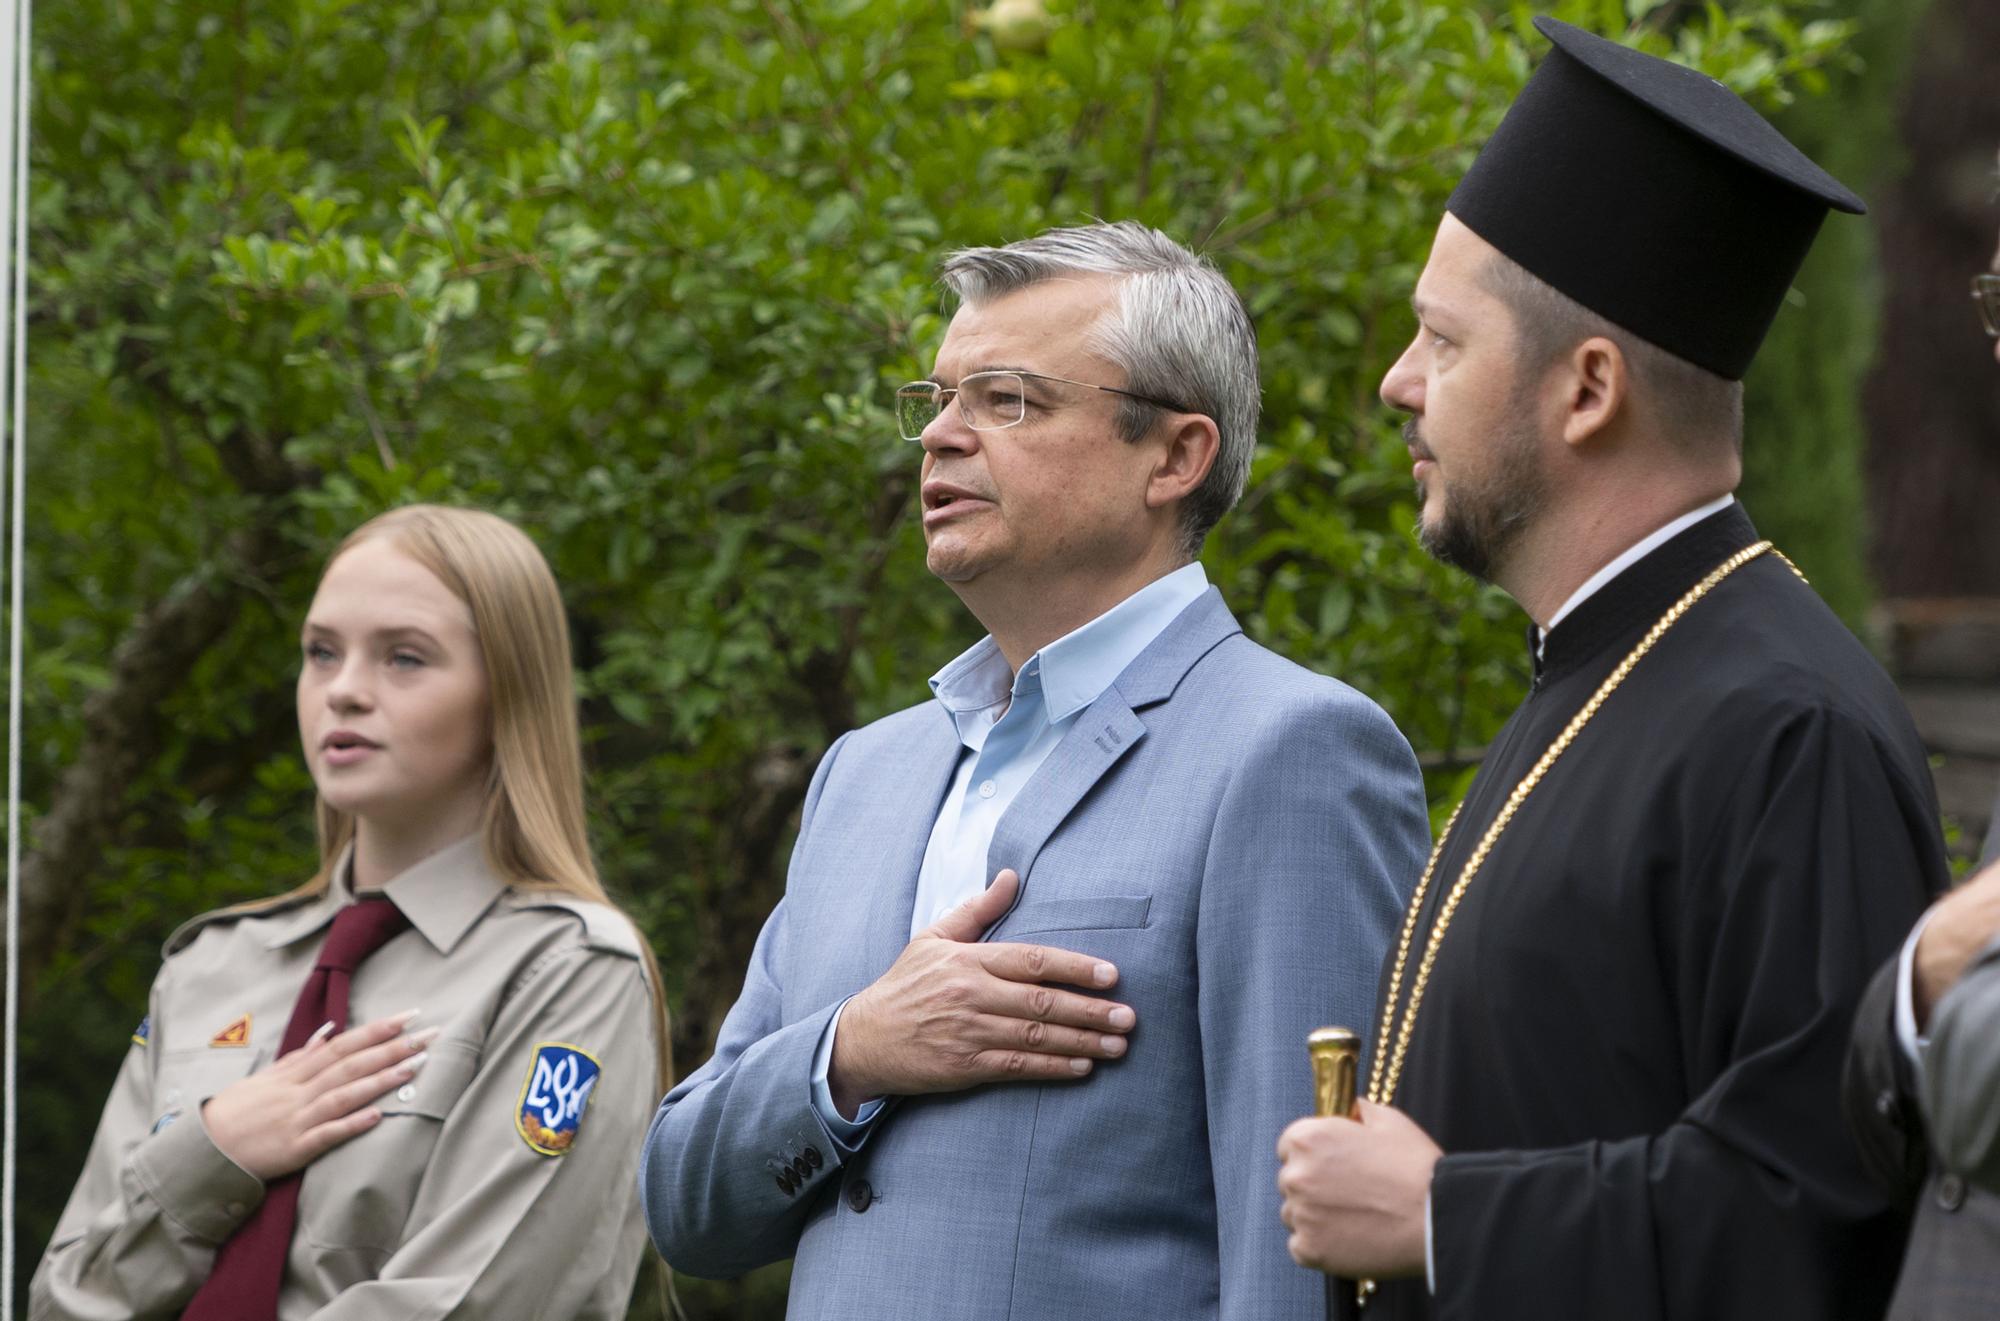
{"x": 318, "y": 651}
{"x": 407, "y": 660}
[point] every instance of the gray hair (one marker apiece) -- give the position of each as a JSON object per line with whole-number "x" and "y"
{"x": 1697, "y": 410}
{"x": 1180, "y": 333}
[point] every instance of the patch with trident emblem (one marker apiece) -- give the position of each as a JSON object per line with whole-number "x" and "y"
{"x": 553, "y": 1097}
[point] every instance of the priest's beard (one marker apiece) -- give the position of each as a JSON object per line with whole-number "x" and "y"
{"x": 1485, "y": 515}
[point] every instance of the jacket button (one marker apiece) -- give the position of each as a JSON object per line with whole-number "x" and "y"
{"x": 800, "y": 1170}
{"x": 859, "y": 1195}
{"x": 813, "y": 1158}
{"x": 785, "y": 1184}
{"x": 1885, "y": 1104}
{"x": 1951, "y": 1192}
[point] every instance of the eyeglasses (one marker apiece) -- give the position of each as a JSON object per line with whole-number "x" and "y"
{"x": 1986, "y": 293}
{"x": 987, "y": 401}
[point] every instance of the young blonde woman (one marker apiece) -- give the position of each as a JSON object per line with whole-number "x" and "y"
{"x": 412, "y": 1087}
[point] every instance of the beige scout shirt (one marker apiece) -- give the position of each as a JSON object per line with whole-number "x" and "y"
{"x": 442, "y": 1209}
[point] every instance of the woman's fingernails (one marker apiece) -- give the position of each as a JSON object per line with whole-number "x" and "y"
{"x": 321, "y": 1033}
{"x": 416, "y": 1061}
{"x": 407, "y": 1016}
{"x": 418, "y": 1040}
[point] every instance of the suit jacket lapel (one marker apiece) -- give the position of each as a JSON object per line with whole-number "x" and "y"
{"x": 910, "y": 808}
{"x": 1107, "y": 730}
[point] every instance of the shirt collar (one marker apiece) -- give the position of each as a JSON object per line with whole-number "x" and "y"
{"x": 1075, "y": 669}
{"x": 1637, "y": 551}
{"x": 443, "y": 896}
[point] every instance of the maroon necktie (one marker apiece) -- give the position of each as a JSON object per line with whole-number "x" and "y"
{"x": 243, "y": 1284}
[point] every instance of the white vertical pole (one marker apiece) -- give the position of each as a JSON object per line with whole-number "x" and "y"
{"x": 14, "y": 59}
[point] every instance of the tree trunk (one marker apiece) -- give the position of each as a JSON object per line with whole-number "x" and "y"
{"x": 1933, "y": 399}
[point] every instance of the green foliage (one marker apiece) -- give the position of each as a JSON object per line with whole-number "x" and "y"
{"x": 639, "y": 276}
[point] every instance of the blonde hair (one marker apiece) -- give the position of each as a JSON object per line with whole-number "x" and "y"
{"x": 532, "y": 826}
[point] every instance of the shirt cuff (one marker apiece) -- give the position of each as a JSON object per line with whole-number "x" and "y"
{"x": 1430, "y": 1249}
{"x": 850, "y": 1133}
{"x": 1907, "y": 1036}
{"x": 193, "y": 1183}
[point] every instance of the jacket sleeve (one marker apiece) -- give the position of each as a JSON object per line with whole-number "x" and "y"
{"x": 1752, "y": 1199}
{"x": 1878, "y": 1094}
{"x": 737, "y": 1150}
{"x": 1961, "y": 1077}
{"x": 1317, "y": 844}
{"x": 142, "y": 1226}
{"x": 498, "y": 1229}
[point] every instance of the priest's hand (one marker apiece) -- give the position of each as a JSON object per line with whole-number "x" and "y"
{"x": 1961, "y": 924}
{"x": 1355, "y": 1193}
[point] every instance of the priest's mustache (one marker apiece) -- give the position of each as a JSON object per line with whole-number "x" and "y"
{"x": 1418, "y": 450}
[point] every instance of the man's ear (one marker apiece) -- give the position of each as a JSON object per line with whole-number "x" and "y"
{"x": 1596, "y": 390}
{"x": 1192, "y": 443}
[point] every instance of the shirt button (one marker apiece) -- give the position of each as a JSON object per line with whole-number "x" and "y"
{"x": 859, "y": 1195}
{"x": 1885, "y": 1104}
{"x": 1951, "y": 1192}
{"x": 987, "y": 788}
{"x": 173, "y": 1096}
{"x": 406, "y": 1093}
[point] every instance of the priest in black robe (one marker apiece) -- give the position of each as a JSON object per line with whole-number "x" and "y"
{"x": 1605, "y": 1083}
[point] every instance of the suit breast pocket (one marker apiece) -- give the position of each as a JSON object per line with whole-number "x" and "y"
{"x": 1111, "y": 912}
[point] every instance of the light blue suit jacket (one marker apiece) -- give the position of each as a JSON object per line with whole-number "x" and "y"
{"x": 1239, "y": 836}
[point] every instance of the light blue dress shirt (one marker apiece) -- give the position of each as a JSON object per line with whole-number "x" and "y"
{"x": 1009, "y": 723}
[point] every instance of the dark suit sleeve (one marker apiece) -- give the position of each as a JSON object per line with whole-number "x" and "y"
{"x": 737, "y": 1152}
{"x": 1752, "y": 1201}
{"x": 1961, "y": 1078}
{"x": 1878, "y": 1094}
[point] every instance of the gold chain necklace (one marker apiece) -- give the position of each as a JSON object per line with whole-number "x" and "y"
{"x": 1386, "y": 1069}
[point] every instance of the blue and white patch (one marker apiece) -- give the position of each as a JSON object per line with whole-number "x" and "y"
{"x": 144, "y": 1032}
{"x": 553, "y": 1098}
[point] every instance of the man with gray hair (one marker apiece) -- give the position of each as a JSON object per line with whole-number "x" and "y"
{"x": 1020, "y": 1037}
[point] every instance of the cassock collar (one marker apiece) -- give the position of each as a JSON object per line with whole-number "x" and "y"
{"x": 1641, "y": 594}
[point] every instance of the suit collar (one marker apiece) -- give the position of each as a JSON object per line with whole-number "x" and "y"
{"x": 911, "y": 791}
{"x": 1104, "y": 734}
{"x": 1158, "y": 670}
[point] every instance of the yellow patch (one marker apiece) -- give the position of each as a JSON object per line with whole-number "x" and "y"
{"x": 236, "y": 1034}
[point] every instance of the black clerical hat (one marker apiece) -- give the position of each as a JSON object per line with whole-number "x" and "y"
{"x": 1652, "y": 195}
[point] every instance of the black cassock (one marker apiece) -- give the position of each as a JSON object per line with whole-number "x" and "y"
{"x": 1631, "y": 1044}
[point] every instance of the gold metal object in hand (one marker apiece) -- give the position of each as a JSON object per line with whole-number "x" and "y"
{"x": 1336, "y": 1061}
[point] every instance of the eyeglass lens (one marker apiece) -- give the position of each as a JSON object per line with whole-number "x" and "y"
{"x": 988, "y": 401}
